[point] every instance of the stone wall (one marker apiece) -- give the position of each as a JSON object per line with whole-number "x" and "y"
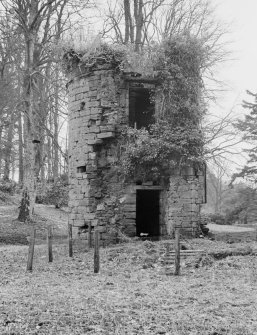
{"x": 185, "y": 195}
{"x": 98, "y": 111}
{"x": 96, "y": 115}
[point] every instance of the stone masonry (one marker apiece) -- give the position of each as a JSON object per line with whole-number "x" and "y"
{"x": 98, "y": 111}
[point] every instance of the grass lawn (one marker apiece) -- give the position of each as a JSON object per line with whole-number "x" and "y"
{"x": 130, "y": 295}
{"x": 14, "y": 232}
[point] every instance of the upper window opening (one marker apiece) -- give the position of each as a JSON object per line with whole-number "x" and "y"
{"x": 141, "y": 108}
{"x": 81, "y": 169}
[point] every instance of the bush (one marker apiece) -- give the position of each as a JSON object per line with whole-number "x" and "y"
{"x": 7, "y": 186}
{"x": 3, "y": 197}
{"x": 57, "y": 194}
{"x": 54, "y": 193}
{"x": 233, "y": 215}
{"x": 205, "y": 218}
{"x": 218, "y": 218}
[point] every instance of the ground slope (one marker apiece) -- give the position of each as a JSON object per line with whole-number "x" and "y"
{"x": 130, "y": 295}
{"x": 14, "y": 232}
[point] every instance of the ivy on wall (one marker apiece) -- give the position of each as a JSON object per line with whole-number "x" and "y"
{"x": 175, "y": 139}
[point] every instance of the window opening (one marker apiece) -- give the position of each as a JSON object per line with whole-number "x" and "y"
{"x": 141, "y": 108}
{"x": 81, "y": 169}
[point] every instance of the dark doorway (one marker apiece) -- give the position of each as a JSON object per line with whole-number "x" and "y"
{"x": 141, "y": 108}
{"x": 147, "y": 213}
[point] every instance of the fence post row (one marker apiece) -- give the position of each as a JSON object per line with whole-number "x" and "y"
{"x": 49, "y": 237}
{"x": 96, "y": 247}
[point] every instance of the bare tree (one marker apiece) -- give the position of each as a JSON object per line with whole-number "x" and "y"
{"x": 216, "y": 179}
{"x": 129, "y": 21}
{"x": 9, "y": 93}
{"x": 221, "y": 138}
{"x": 142, "y": 22}
{"x": 40, "y": 24}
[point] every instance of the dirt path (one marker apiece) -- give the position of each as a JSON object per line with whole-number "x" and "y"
{"x": 228, "y": 228}
{"x": 232, "y": 233}
{"x": 57, "y": 217}
{"x": 14, "y": 232}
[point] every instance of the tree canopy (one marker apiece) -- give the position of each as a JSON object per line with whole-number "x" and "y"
{"x": 248, "y": 129}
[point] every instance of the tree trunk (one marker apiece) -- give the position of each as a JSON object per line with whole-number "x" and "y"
{"x": 20, "y": 150}
{"x": 31, "y": 157}
{"x": 56, "y": 126}
{"x": 49, "y": 159}
{"x": 127, "y": 21}
{"x": 37, "y": 21}
{"x": 1, "y": 131}
{"x": 13, "y": 165}
{"x": 31, "y": 171}
{"x": 8, "y": 148}
{"x": 65, "y": 167}
{"x": 24, "y": 207}
{"x": 138, "y": 12}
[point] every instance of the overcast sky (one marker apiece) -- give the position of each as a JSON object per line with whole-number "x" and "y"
{"x": 241, "y": 73}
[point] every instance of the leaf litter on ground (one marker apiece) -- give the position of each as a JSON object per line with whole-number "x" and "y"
{"x": 126, "y": 297}
{"x": 131, "y": 294}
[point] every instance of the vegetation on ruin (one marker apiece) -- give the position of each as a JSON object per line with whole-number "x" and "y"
{"x": 96, "y": 53}
{"x": 175, "y": 139}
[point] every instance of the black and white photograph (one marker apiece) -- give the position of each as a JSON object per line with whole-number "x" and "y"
{"x": 128, "y": 167}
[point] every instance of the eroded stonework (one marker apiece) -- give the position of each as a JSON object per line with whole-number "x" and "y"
{"x": 98, "y": 111}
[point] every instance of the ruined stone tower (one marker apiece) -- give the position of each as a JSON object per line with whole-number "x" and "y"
{"x": 102, "y": 102}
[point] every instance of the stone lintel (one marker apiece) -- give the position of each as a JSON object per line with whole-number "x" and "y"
{"x": 105, "y": 135}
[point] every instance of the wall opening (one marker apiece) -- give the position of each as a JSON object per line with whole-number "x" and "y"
{"x": 141, "y": 108}
{"x": 81, "y": 169}
{"x": 148, "y": 213}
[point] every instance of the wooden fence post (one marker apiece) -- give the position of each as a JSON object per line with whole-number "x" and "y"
{"x": 70, "y": 239}
{"x": 168, "y": 261}
{"x": 50, "y": 243}
{"x": 96, "y": 252}
{"x": 31, "y": 249}
{"x": 89, "y": 236}
{"x": 177, "y": 252}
